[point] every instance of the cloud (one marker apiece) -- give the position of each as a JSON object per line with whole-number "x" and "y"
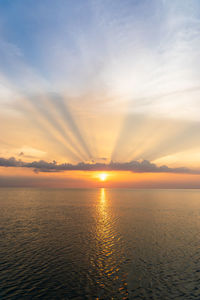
{"x": 133, "y": 166}
{"x": 10, "y": 162}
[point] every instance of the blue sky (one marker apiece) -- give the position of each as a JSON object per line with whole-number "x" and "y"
{"x": 75, "y": 39}
{"x": 127, "y": 73}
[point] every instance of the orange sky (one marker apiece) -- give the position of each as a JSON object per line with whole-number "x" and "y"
{"x": 13, "y": 177}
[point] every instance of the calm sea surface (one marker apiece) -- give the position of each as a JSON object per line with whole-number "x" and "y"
{"x": 99, "y": 244}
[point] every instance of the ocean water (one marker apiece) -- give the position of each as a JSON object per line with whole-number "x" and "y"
{"x": 99, "y": 244}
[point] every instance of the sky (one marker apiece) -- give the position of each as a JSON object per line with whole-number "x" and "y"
{"x": 100, "y": 86}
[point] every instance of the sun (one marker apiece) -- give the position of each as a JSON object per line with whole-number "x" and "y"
{"x": 103, "y": 176}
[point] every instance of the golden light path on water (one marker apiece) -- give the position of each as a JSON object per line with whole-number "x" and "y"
{"x": 109, "y": 254}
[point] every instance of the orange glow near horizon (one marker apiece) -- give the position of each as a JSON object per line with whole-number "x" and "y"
{"x": 92, "y": 179}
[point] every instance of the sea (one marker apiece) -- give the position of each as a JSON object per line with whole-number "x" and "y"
{"x": 99, "y": 244}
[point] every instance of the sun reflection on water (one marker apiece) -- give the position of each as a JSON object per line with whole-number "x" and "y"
{"x": 103, "y": 196}
{"x": 109, "y": 252}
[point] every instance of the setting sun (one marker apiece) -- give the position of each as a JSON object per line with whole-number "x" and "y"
{"x": 103, "y": 176}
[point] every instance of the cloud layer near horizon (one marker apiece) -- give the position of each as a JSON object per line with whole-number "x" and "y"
{"x": 133, "y": 166}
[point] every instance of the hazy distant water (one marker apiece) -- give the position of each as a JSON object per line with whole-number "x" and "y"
{"x": 88, "y": 244}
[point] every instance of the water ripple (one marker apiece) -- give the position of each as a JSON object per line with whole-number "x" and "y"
{"x": 99, "y": 244}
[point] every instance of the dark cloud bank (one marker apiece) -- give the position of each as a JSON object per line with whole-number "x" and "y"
{"x": 133, "y": 166}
